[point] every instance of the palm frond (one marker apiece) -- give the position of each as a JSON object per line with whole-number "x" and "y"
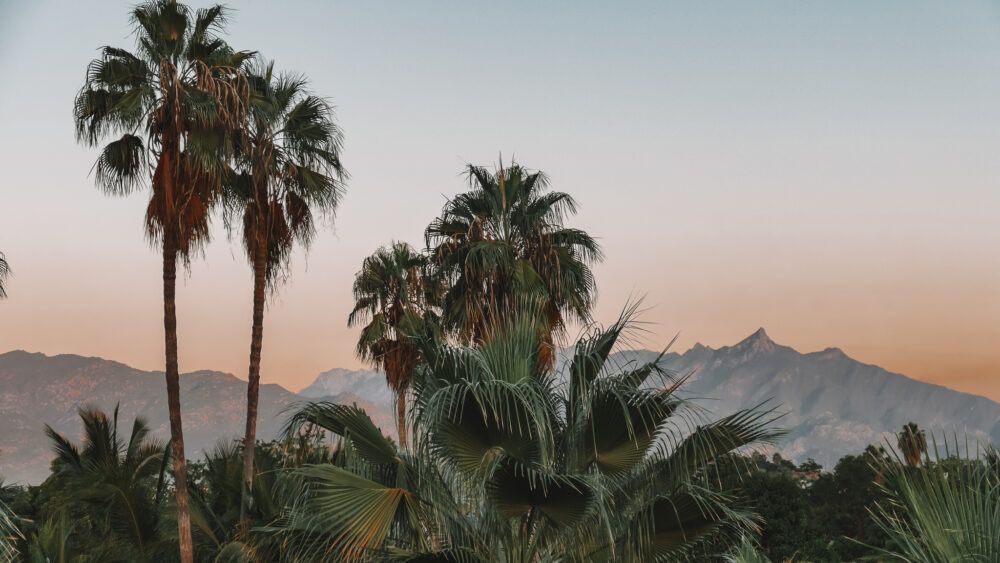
{"x": 350, "y": 422}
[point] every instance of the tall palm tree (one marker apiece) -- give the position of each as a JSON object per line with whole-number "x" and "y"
{"x": 912, "y": 443}
{"x": 512, "y": 462}
{"x": 169, "y": 108}
{"x": 287, "y": 167}
{"x": 504, "y": 239}
{"x": 4, "y": 274}
{"x": 393, "y": 288}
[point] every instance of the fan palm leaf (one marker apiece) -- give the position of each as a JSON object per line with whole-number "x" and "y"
{"x": 510, "y": 464}
{"x": 939, "y": 512}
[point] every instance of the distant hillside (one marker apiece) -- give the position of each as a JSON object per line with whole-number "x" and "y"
{"x": 365, "y": 383}
{"x": 835, "y": 405}
{"x": 36, "y": 389}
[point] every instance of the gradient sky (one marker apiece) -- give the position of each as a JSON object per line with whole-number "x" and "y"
{"x": 826, "y": 170}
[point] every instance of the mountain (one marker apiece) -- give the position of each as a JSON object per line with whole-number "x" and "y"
{"x": 833, "y": 405}
{"x": 36, "y": 389}
{"x": 362, "y": 382}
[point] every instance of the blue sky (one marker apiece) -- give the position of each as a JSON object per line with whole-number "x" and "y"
{"x": 826, "y": 170}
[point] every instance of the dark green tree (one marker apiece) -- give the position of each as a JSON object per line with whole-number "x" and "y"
{"x": 106, "y": 495}
{"x": 912, "y": 443}
{"x": 782, "y": 505}
{"x": 840, "y": 502}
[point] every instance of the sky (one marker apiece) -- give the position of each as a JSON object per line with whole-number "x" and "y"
{"x": 826, "y": 170}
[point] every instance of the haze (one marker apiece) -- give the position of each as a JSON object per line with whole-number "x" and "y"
{"x": 827, "y": 171}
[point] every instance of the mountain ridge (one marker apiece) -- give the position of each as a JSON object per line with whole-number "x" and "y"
{"x": 38, "y": 389}
{"x": 833, "y": 404}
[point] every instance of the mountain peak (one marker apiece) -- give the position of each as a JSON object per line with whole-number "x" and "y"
{"x": 759, "y": 341}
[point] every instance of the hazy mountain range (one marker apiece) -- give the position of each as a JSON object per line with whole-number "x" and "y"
{"x": 834, "y": 405}
{"x": 36, "y": 389}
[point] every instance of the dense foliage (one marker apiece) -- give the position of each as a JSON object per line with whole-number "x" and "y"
{"x": 360, "y": 497}
{"x": 810, "y": 514}
{"x": 512, "y": 461}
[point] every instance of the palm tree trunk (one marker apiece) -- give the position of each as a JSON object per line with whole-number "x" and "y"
{"x": 174, "y": 399}
{"x": 253, "y": 379}
{"x": 401, "y": 418}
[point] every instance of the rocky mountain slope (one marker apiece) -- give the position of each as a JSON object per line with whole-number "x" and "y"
{"x": 366, "y": 383}
{"x": 36, "y": 389}
{"x": 833, "y": 404}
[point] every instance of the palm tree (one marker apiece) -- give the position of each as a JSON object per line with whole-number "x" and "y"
{"x": 946, "y": 511}
{"x": 287, "y": 167}
{"x": 513, "y": 462}
{"x": 505, "y": 238}
{"x": 912, "y": 443}
{"x": 113, "y": 487}
{"x": 4, "y": 274}
{"x": 169, "y": 108}
{"x": 220, "y": 531}
{"x": 217, "y": 504}
{"x": 393, "y": 289}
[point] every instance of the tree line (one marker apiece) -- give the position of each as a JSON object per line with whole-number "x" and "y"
{"x": 360, "y": 498}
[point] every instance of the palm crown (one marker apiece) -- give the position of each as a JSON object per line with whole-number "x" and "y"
{"x": 394, "y": 293}
{"x": 505, "y": 238}
{"x": 287, "y": 165}
{"x": 172, "y": 104}
{"x": 514, "y": 462}
{"x": 912, "y": 443}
